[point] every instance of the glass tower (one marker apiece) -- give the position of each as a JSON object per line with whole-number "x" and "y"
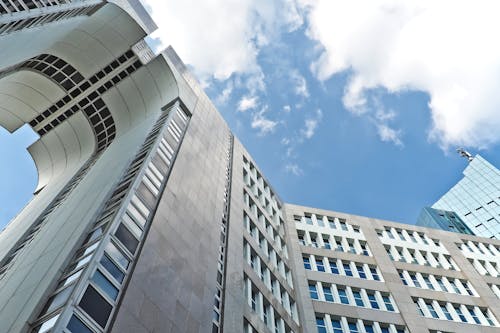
{"x": 476, "y": 198}
{"x": 442, "y": 219}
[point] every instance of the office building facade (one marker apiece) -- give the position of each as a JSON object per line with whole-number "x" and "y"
{"x": 442, "y": 219}
{"x": 476, "y": 198}
{"x": 150, "y": 216}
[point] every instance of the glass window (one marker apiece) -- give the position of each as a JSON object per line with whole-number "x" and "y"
{"x": 369, "y": 328}
{"x": 374, "y": 272}
{"x": 105, "y": 285}
{"x": 308, "y": 220}
{"x": 403, "y": 278}
{"x": 307, "y": 263}
{"x": 319, "y": 265}
{"x": 112, "y": 268}
{"x": 46, "y": 326}
{"x": 96, "y": 306}
{"x": 460, "y": 314}
{"x": 361, "y": 271}
{"x": 333, "y": 267}
{"x": 353, "y": 328}
{"x": 313, "y": 292}
{"x": 328, "y": 293}
{"x": 343, "y": 296}
{"x": 57, "y": 300}
{"x": 320, "y": 325}
{"x": 373, "y": 301}
{"x": 75, "y": 325}
{"x": 117, "y": 256}
{"x": 337, "y": 327}
{"x": 357, "y": 298}
{"x": 126, "y": 238}
{"x": 347, "y": 269}
{"x": 388, "y": 303}
{"x": 384, "y": 329}
{"x": 446, "y": 312}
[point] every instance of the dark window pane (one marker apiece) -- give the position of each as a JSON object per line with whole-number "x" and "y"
{"x": 112, "y": 269}
{"x": 126, "y": 238}
{"x": 75, "y": 325}
{"x": 105, "y": 285}
{"x": 96, "y": 306}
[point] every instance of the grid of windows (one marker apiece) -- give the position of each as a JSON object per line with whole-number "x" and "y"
{"x": 326, "y": 222}
{"x": 327, "y": 323}
{"x": 420, "y": 257}
{"x": 341, "y": 267}
{"x": 271, "y": 316}
{"x": 436, "y": 282}
{"x": 126, "y": 231}
{"x": 388, "y": 234}
{"x": 333, "y": 242}
{"x": 486, "y": 267}
{"x": 348, "y": 295}
{"x": 455, "y": 312}
{"x": 40, "y": 18}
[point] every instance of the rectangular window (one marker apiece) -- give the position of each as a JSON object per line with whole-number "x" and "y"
{"x": 313, "y": 292}
{"x": 358, "y": 299}
{"x": 96, "y": 306}
{"x": 415, "y": 281}
{"x": 320, "y": 325}
{"x": 126, "y": 238}
{"x": 401, "y": 275}
{"x": 112, "y": 269}
{"x": 374, "y": 272}
{"x": 388, "y": 303}
{"x": 353, "y": 328}
{"x": 75, "y": 325}
{"x": 117, "y": 256}
{"x": 328, "y": 293}
{"x": 319, "y": 265}
{"x": 337, "y": 327}
{"x": 445, "y": 312}
{"x": 343, "y": 296}
{"x": 373, "y": 301}
{"x": 361, "y": 271}
{"x": 460, "y": 314}
{"x": 333, "y": 267}
{"x": 105, "y": 285}
{"x": 307, "y": 263}
{"x": 347, "y": 269}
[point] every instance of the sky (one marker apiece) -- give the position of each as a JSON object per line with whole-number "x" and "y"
{"x": 354, "y": 106}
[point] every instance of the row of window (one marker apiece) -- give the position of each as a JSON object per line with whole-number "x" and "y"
{"x": 264, "y": 196}
{"x": 221, "y": 261}
{"x": 326, "y": 323}
{"x": 435, "y": 282}
{"x": 366, "y": 298}
{"x": 486, "y": 267}
{"x": 420, "y": 257}
{"x": 265, "y": 311}
{"x": 455, "y": 312}
{"x": 479, "y": 249}
{"x": 11, "y": 6}
{"x": 326, "y": 221}
{"x": 250, "y": 170}
{"x": 407, "y": 236}
{"x": 331, "y": 242}
{"x": 273, "y": 230}
{"x": 274, "y": 247}
{"x": 341, "y": 267}
{"x": 100, "y": 298}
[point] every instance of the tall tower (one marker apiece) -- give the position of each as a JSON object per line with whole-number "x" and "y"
{"x": 150, "y": 216}
{"x": 476, "y": 197}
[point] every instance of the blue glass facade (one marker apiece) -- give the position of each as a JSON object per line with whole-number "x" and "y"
{"x": 442, "y": 219}
{"x": 476, "y": 198}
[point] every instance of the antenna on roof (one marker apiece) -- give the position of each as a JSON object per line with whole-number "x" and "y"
{"x": 465, "y": 153}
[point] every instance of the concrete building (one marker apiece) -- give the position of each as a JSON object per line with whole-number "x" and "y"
{"x": 150, "y": 216}
{"x": 442, "y": 219}
{"x": 476, "y": 198}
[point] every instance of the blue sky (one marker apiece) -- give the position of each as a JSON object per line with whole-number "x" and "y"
{"x": 349, "y": 110}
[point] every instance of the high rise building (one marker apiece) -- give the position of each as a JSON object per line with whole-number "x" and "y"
{"x": 476, "y": 198}
{"x": 150, "y": 216}
{"x": 442, "y": 219}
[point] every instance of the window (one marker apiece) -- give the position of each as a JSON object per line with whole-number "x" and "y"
{"x": 117, "y": 256}
{"x": 126, "y": 238}
{"x": 473, "y": 315}
{"x": 333, "y": 267}
{"x": 320, "y": 325}
{"x": 445, "y": 312}
{"x": 428, "y": 282}
{"x": 96, "y": 306}
{"x": 309, "y": 220}
{"x": 374, "y": 272}
{"x": 320, "y": 220}
{"x": 441, "y": 284}
{"x": 361, "y": 271}
{"x": 415, "y": 281}
{"x": 105, "y": 285}
{"x": 373, "y": 301}
{"x": 369, "y": 328}
{"x": 75, "y": 325}
{"x": 431, "y": 310}
{"x": 337, "y": 327}
{"x": 388, "y": 303}
{"x": 313, "y": 292}
{"x": 401, "y": 275}
{"x": 343, "y": 225}
{"x": 353, "y": 328}
{"x": 319, "y": 265}
{"x": 343, "y": 296}
{"x": 307, "y": 263}
{"x": 347, "y": 269}
{"x": 326, "y": 243}
{"x": 331, "y": 223}
{"x": 357, "y": 298}
{"x": 328, "y": 293}
{"x": 460, "y": 314}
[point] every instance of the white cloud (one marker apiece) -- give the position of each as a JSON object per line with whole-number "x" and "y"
{"x": 220, "y": 38}
{"x": 388, "y": 134}
{"x": 446, "y": 48}
{"x": 248, "y": 103}
{"x": 263, "y": 124}
{"x": 287, "y": 108}
{"x": 294, "y": 169}
{"x": 310, "y": 125}
{"x": 300, "y": 84}
{"x": 225, "y": 94}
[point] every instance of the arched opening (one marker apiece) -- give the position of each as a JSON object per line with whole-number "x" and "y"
{"x": 18, "y": 174}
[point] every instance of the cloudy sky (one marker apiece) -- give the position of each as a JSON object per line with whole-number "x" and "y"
{"x": 356, "y": 106}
